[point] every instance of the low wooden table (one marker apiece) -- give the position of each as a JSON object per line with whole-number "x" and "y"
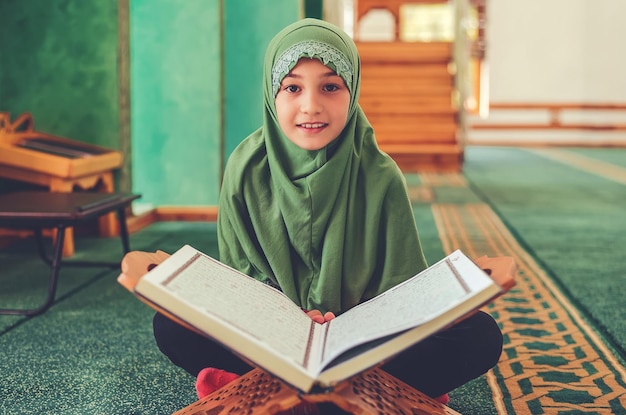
{"x": 38, "y": 210}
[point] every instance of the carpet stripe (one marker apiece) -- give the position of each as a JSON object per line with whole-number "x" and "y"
{"x": 553, "y": 361}
{"x": 435, "y": 179}
{"x": 600, "y": 168}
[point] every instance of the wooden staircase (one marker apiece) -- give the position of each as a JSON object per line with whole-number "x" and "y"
{"x": 407, "y": 93}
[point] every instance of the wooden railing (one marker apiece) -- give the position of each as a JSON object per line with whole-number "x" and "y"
{"x": 555, "y": 112}
{"x": 562, "y": 124}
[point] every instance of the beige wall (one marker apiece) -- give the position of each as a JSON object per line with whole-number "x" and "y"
{"x": 557, "y": 50}
{"x": 548, "y": 51}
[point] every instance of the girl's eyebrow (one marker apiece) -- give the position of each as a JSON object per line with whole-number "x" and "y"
{"x": 325, "y": 75}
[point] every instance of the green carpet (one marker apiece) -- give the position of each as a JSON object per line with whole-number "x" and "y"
{"x": 572, "y": 221}
{"x": 560, "y": 213}
{"x": 93, "y": 351}
{"x": 565, "y": 333}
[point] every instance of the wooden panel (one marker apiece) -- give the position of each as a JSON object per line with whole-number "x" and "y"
{"x": 408, "y": 87}
{"x": 417, "y": 136}
{"x": 397, "y": 122}
{"x": 415, "y": 104}
{"x": 414, "y": 71}
{"x": 405, "y": 52}
{"x": 388, "y": 134}
{"x": 407, "y": 94}
{"x": 424, "y": 133}
{"x": 426, "y": 158}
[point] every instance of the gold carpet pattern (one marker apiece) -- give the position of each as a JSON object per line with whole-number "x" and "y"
{"x": 553, "y": 362}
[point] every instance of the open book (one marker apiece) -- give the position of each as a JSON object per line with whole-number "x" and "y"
{"x": 266, "y": 328}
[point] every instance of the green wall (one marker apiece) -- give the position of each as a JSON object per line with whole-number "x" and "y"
{"x": 195, "y": 81}
{"x": 175, "y": 100}
{"x": 196, "y": 68}
{"x": 58, "y": 61}
{"x": 249, "y": 26}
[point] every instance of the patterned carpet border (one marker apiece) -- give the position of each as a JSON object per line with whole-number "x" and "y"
{"x": 553, "y": 362}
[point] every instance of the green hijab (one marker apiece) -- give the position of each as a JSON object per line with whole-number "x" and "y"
{"x": 331, "y": 227}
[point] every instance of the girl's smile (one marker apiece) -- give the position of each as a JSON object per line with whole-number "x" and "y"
{"x": 312, "y": 104}
{"x": 313, "y": 125}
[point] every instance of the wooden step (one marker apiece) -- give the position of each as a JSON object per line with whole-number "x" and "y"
{"x": 405, "y": 52}
{"x": 426, "y": 157}
{"x": 430, "y": 71}
{"x": 416, "y": 105}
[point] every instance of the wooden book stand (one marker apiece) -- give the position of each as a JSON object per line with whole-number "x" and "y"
{"x": 371, "y": 392}
{"x": 259, "y": 393}
{"x": 57, "y": 164}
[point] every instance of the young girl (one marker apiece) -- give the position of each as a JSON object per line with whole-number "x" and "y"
{"x": 310, "y": 205}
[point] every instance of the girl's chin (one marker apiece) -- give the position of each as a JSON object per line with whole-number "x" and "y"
{"x": 311, "y": 144}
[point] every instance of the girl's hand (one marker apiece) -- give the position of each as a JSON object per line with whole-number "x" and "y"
{"x": 317, "y": 316}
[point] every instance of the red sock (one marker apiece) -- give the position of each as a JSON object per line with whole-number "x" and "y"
{"x": 210, "y": 379}
{"x": 444, "y": 399}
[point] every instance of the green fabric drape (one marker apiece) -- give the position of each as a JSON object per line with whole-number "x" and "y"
{"x": 332, "y": 227}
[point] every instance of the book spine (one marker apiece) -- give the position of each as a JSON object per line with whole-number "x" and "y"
{"x": 309, "y": 345}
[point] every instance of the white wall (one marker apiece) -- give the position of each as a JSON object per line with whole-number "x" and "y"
{"x": 553, "y": 51}
{"x": 557, "y": 50}
{"x": 548, "y": 51}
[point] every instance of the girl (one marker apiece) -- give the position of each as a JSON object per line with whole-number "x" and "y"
{"x": 310, "y": 205}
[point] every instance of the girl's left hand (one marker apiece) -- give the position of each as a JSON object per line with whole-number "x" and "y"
{"x": 320, "y": 318}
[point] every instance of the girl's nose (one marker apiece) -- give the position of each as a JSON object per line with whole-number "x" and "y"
{"x": 311, "y": 103}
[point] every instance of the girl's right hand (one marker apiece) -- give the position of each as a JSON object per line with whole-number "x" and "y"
{"x": 320, "y": 318}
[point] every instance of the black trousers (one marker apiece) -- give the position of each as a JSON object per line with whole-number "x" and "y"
{"x": 434, "y": 366}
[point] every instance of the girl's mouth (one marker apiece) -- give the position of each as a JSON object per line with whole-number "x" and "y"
{"x": 312, "y": 126}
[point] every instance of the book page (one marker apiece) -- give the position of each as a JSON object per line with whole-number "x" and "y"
{"x": 249, "y": 305}
{"x": 426, "y": 295}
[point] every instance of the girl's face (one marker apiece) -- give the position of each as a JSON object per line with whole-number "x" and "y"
{"x": 312, "y": 104}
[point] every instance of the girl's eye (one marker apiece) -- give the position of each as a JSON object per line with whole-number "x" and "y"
{"x": 331, "y": 88}
{"x": 291, "y": 88}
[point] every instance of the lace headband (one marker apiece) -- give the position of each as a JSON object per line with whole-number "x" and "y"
{"x": 327, "y": 54}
